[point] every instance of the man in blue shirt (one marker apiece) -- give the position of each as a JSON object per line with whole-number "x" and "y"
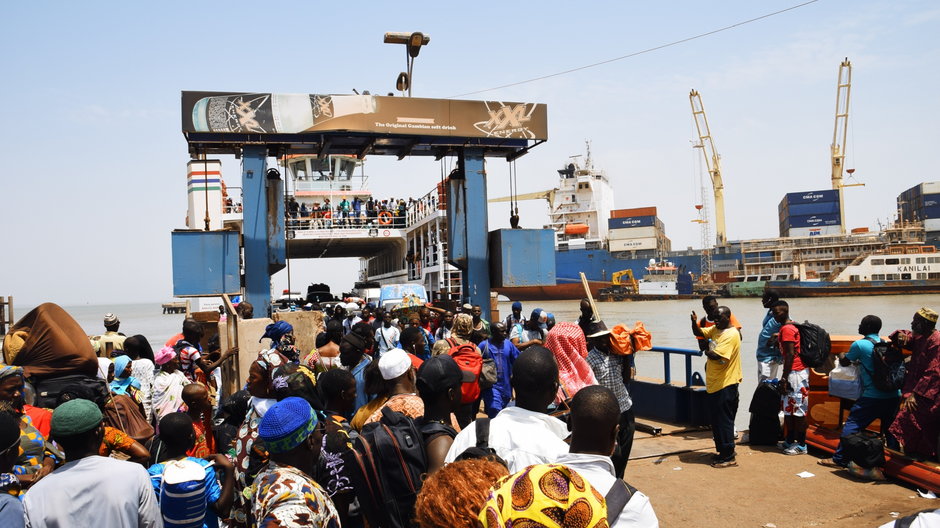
{"x": 352, "y": 356}
{"x": 769, "y": 360}
{"x": 874, "y": 404}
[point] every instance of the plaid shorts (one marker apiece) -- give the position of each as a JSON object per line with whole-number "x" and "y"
{"x": 796, "y": 401}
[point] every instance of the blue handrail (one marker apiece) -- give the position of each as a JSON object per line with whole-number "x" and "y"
{"x": 667, "y": 372}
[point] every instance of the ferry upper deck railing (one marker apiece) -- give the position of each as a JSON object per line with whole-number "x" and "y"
{"x": 423, "y": 207}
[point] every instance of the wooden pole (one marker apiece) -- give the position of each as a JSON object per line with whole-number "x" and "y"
{"x": 587, "y": 293}
{"x": 230, "y": 375}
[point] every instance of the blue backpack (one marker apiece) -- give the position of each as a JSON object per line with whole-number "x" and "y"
{"x": 183, "y": 494}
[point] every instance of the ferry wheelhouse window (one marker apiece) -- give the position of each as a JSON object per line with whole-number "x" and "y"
{"x": 877, "y": 262}
{"x": 921, "y": 260}
{"x": 905, "y": 261}
{"x": 933, "y": 276}
{"x": 921, "y": 276}
{"x": 892, "y": 261}
{"x": 933, "y": 260}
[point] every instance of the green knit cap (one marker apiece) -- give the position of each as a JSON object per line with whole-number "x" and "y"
{"x": 75, "y": 417}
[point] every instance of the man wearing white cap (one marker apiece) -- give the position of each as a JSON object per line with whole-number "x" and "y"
{"x": 399, "y": 374}
{"x": 351, "y": 317}
{"x": 111, "y": 339}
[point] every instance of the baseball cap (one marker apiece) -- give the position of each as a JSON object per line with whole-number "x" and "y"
{"x": 517, "y": 305}
{"x": 441, "y": 372}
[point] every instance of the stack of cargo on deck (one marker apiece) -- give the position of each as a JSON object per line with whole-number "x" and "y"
{"x": 922, "y": 204}
{"x": 810, "y": 213}
{"x": 637, "y": 229}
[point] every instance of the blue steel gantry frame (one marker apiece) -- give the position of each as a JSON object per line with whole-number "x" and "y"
{"x": 263, "y": 214}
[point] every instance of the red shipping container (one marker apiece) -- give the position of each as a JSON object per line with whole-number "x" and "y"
{"x": 636, "y": 211}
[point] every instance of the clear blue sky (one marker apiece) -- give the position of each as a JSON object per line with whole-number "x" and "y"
{"x": 94, "y": 165}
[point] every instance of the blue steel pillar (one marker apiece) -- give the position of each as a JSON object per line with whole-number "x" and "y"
{"x": 468, "y": 229}
{"x": 255, "y": 228}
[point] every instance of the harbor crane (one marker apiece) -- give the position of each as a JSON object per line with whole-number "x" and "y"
{"x": 840, "y": 136}
{"x": 712, "y": 162}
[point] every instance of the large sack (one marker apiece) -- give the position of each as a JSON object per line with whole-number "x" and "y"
{"x": 50, "y": 344}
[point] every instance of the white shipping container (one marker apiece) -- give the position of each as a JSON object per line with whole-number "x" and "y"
{"x": 632, "y": 232}
{"x": 932, "y": 224}
{"x": 930, "y": 187}
{"x": 633, "y": 244}
{"x": 814, "y": 231}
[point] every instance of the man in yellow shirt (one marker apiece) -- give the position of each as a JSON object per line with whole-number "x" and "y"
{"x": 722, "y": 377}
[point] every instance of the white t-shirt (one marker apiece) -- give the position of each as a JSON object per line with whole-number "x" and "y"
{"x": 599, "y": 471}
{"x": 525, "y": 335}
{"x": 519, "y": 436}
{"x": 94, "y": 491}
{"x": 387, "y": 338}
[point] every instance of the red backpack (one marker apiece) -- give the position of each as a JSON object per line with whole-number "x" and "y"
{"x": 469, "y": 359}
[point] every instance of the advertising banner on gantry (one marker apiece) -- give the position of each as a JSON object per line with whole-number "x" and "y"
{"x": 266, "y": 113}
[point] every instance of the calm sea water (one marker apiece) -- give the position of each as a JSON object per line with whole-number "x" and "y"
{"x": 667, "y": 321}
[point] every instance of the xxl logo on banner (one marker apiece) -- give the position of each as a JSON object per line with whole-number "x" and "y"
{"x": 507, "y": 121}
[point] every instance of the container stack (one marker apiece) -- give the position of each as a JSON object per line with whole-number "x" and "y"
{"x": 810, "y": 213}
{"x": 637, "y": 229}
{"x": 921, "y": 204}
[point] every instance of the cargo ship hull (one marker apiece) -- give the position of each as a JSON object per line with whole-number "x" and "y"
{"x": 834, "y": 289}
{"x": 559, "y": 292}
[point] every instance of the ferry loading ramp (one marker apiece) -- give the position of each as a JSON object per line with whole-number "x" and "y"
{"x": 255, "y": 126}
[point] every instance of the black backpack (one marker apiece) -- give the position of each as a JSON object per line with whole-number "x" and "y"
{"x": 51, "y": 392}
{"x": 887, "y": 366}
{"x": 815, "y": 346}
{"x": 865, "y": 449}
{"x": 764, "y": 425}
{"x": 385, "y": 468}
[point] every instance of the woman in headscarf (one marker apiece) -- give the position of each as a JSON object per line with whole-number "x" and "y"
{"x": 124, "y": 382}
{"x": 459, "y": 334}
{"x": 567, "y": 343}
{"x": 35, "y": 459}
{"x": 247, "y": 452}
{"x": 168, "y": 384}
{"x": 546, "y": 495}
{"x": 142, "y": 369}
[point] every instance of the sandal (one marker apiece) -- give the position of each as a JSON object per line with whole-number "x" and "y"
{"x": 828, "y": 462}
{"x": 725, "y": 463}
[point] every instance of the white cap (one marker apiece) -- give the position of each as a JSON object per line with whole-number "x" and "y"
{"x": 351, "y": 306}
{"x": 394, "y": 363}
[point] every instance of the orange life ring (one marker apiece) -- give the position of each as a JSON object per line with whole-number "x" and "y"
{"x": 385, "y": 218}
{"x": 328, "y": 214}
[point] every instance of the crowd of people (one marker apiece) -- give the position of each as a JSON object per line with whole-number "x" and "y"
{"x": 909, "y": 413}
{"x": 426, "y": 418}
{"x": 391, "y": 212}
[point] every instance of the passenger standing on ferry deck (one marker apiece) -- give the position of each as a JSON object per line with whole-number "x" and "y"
{"x": 351, "y": 317}
{"x": 524, "y": 434}
{"x": 874, "y": 404}
{"x": 460, "y": 334}
{"x": 504, "y": 355}
{"x": 479, "y": 323}
{"x": 722, "y": 377}
{"x": 190, "y": 355}
{"x": 111, "y": 339}
{"x": 794, "y": 382}
{"x": 595, "y": 414}
{"x": 379, "y": 319}
{"x": 769, "y": 359}
{"x": 387, "y": 336}
{"x": 443, "y": 331}
{"x": 516, "y": 316}
{"x": 918, "y": 422}
{"x": 613, "y": 371}
{"x": 710, "y": 305}
{"x": 530, "y": 333}
{"x": 90, "y": 490}
{"x": 352, "y": 355}
{"x": 143, "y": 369}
